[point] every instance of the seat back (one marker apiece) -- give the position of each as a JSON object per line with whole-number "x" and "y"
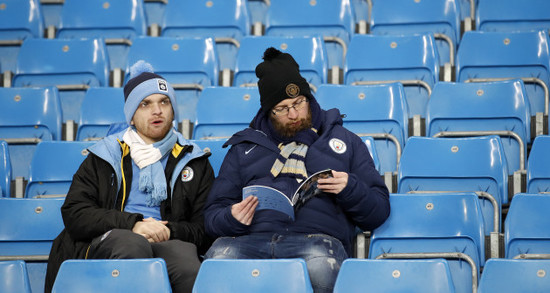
{"x": 112, "y": 275}
{"x": 379, "y": 111}
{"x": 538, "y": 174}
{"x": 475, "y": 164}
{"x": 409, "y": 17}
{"x": 118, "y": 22}
{"x": 188, "y": 64}
{"x": 253, "y": 275}
{"x": 526, "y": 226}
{"x": 434, "y": 223}
{"x": 53, "y": 166}
{"x": 19, "y": 20}
{"x": 510, "y": 15}
{"x": 226, "y": 21}
{"x": 392, "y": 275}
{"x": 369, "y": 141}
{"x": 518, "y": 275}
{"x": 71, "y": 65}
{"x": 476, "y": 108}
{"x": 309, "y": 53}
{"x": 14, "y": 277}
{"x": 213, "y": 146}
{"x": 5, "y": 170}
{"x": 223, "y": 111}
{"x": 332, "y": 20}
{"x": 101, "y": 107}
{"x": 410, "y": 59}
{"x": 498, "y": 55}
{"x": 28, "y": 116}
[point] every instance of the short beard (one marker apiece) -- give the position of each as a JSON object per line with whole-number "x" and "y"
{"x": 288, "y": 131}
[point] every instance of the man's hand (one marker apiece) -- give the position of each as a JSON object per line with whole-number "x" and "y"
{"x": 244, "y": 211}
{"x": 334, "y": 184}
{"x": 152, "y": 230}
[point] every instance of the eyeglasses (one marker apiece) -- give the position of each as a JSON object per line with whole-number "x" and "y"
{"x": 283, "y": 111}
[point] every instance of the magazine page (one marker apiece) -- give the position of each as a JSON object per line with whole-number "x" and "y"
{"x": 308, "y": 188}
{"x": 269, "y": 198}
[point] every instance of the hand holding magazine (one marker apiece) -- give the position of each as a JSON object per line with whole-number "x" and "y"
{"x": 271, "y": 198}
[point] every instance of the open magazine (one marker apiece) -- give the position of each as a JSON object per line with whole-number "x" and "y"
{"x": 271, "y": 198}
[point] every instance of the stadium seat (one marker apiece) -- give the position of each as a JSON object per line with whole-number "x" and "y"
{"x": 513, "y": 15}
{"x": 507, "y": 275}
{"x": 432, "y": 226}
{"x": 475, "y": 164}
{"x": 378, "y": 111}
{"x": 309, "y": 53}
{"x": 226, "y": 21}
{"x": 253, "y": 275}
{"x": 442, "y": 18}
{"x": 51, "y": 12}
{"x": 223, "y": 111}
{"x": 53, "y": 166}
{"x": 369, "y": 141}
{"x": 101, "y": 107}
{"x": 490, "y": 56}
{"x": 394, "y": 275}
{"x": 487, "y": 108}
{"x": 409, "y": 59}
{"x": 71, "y": 65}
{"x": 332, "y": 20}
{"x": 28, "y": 230}
{"x": 117, "y": 22}
{"x": 213, "y": 146}
{"x": 28, "y": 116}
{"x": 112, "y": 276}
{"x": 5, "y": 170}
{"x": 19, "y": 20}
{"x": 14, "y": 277}
{"x": 538, "y": 173}
{"x": 188, "y": 64}
{"x": 526, "y": 226}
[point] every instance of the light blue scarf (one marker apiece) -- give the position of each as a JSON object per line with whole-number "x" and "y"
{"x": 152, "y": 180}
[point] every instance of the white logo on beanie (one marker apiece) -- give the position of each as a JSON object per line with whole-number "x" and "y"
{"x": 163, "y": 87}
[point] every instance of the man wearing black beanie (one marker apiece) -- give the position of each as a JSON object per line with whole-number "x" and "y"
{"x": 288, "y": 140}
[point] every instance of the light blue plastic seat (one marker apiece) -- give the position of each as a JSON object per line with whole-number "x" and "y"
{"x": 538, "y": 173}
{"x": 117, "y": 22}
{"x": 27, "y": 117}
{"x": 53, "y": 166}
{"x": 113, "y": 275}
{"x": 225, "y": 21}
{"x": 378, "y": 111}
{"x": 213, "y": 146}
{"x": 484, "y": 108}
{"x": 309, "y": 53}
{"x": 430, "y": 226}
{"x": 526, "y": 226}
{"x": 511, "y": 15}
{"x": 14, "y": 277}
{"x": 476, "y": 164}
{"x": 506, "y": 275}
{"x": 72, "y": 65}
{"x": 28, "y": 230}
{"x": 189, "y": 65}
{"x": 19, "y": 20}
{"x": 489, "y": 56}
{"x": 394, "y": 275}
{"x": 410, "y": 59}
{"x": 442, "y": 18}
{"x": 332, "y": 20}
{"x": 5, "y": 170}
{"x": 253, "y": 275}
{"x": 369, "y": 141}
{"x": 101, "y": 107}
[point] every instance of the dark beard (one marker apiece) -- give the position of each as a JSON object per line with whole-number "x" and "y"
{"x": 288, "y": 131}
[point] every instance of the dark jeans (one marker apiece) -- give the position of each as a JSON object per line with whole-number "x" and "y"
{"x": 323, "y": 254}
{"x": 181, "y": 257}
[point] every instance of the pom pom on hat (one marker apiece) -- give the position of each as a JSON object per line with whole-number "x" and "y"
{"x": 140, "y": 67}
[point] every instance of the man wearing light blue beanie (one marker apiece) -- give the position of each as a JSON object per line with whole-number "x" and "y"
{"x": 140, "y": 193}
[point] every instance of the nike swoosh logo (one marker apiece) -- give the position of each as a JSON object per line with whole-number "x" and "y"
{"x": 248, "y": 151}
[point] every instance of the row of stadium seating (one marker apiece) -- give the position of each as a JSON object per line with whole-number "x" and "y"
{"x": 446, "y": 228}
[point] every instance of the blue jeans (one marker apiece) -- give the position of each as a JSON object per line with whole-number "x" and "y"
{"x": 323, "y": 254}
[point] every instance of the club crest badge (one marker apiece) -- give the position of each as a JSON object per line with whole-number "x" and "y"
{"x": 337, "y": 146}
{"x": 187, "y": 174}
{"x": 292, "y": 90}
{"x": 163, "y": 87}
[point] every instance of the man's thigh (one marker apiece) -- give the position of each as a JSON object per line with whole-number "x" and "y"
{"x": 241, "y": 247}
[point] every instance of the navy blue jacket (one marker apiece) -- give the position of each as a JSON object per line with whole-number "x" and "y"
{"x": 364, "y": 203}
